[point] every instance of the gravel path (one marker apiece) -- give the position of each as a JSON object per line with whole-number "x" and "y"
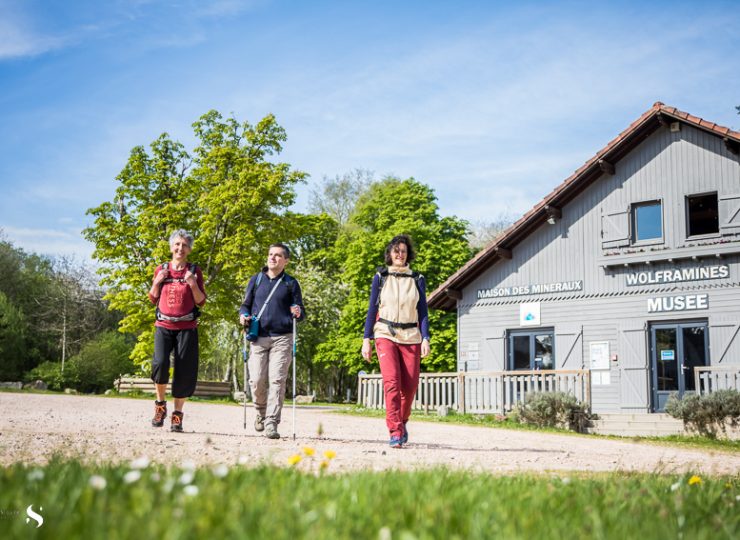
{"x": 34, "y": 427}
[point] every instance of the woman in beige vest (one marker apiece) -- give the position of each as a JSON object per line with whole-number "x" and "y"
{"x": 398, "y": 320}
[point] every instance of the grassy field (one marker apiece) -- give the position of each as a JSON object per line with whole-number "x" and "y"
{"x": 305, "y": 500}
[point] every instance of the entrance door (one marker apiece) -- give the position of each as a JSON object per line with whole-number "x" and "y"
{"x": 675, "y": 349}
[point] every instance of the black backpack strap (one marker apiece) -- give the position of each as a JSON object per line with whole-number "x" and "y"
{"x": 382, "y": 274}
{"x": 255, "y": 283}
{"x": 290, "y": 282}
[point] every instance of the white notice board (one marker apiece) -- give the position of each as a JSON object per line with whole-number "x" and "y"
{"x": 599, "y": 356}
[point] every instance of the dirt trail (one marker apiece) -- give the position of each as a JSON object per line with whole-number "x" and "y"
{"x": 33, "y": 427}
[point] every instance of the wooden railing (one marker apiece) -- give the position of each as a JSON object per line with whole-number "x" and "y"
{"x": 709, "y": 379}
{"x": 480, "y": 392}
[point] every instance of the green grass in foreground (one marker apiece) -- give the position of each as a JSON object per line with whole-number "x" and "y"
{"x": 81, "y": 501}
{"x": 495, "y": 421}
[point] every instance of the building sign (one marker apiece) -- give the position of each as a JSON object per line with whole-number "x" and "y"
{"x": 537, "y": 288}
{"x": 684, "y": 302}
{"x": 696, "y": 273}
{"x": 529, "y": 314}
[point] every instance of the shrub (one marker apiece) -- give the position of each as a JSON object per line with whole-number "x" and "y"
{"x": 554, "y": 409}
{"x": 93, "y": 369}
{"x": 709, "y": 414}
{"x": 51, "y": 374}
{"x": 101, "y": 361}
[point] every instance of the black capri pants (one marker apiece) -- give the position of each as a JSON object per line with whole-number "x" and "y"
{"x": 185, "y": 345}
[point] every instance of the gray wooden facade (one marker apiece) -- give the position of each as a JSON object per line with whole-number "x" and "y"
{"x": 595, "y": 285}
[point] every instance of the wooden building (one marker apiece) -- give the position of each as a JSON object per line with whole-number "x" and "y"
{"x": 629, "y": 269}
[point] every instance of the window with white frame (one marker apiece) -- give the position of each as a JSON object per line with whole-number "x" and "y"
{"x": 702, "y": 214}
{"x": 647, "y": 221}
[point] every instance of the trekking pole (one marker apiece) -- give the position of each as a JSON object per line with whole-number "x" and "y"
{"x": 244, "y": 356}
{"x": 294, "y": 353}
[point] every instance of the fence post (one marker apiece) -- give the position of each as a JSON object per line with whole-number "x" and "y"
{"x": 461, "y": 392}
{"x": 425, "y": 394}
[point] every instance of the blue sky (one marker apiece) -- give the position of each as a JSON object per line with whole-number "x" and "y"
{"x": 491, "y": 103}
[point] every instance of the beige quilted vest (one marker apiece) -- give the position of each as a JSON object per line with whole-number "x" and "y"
{"x": 398, "y": 300}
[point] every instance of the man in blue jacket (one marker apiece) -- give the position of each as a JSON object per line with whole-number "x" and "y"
{"x": 275, "y": 298}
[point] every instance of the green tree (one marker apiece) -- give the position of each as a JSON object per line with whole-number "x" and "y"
{"x": 325, "y": 296}
{"x": 27, "y": 284}
{"x": 393, "y": 207}
{"x": 12, "y": 340}
{"x": 230, "y": 194}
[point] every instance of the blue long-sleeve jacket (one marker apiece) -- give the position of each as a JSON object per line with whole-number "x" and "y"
{"x": 276, "y": 319}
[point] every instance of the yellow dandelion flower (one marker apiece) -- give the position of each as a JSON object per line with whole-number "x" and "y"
{"x": 308, "y": 451}
{"x": 694, "y": 480}
{"x": 294, "y": 459}
{"x": 330, "y": 454}
{"x": 323, "y": 465}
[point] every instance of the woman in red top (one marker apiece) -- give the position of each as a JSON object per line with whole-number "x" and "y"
{"x": 177, "y": 291}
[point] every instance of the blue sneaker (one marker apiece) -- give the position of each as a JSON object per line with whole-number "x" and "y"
{"x": 395, "y": 442}
{"x": 405, "y": 437}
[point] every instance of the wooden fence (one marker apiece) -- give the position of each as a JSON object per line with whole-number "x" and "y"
{"x": 202, "y": 388}
{"x": 480, "y": 392}
{"x": 712, "y": 378}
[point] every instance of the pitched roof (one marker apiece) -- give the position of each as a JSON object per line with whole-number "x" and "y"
{"x": 446, "y": 295}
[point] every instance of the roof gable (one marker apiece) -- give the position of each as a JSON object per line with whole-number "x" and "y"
{"x": 603, "y": 162}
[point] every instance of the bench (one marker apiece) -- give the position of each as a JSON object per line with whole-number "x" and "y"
{"x": 202, "y": 388}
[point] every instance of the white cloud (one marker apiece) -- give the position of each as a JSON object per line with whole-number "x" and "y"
{"x": 17, "y": 40}
{"x": 223, "y": 8}
{"x": 53, "y": 242}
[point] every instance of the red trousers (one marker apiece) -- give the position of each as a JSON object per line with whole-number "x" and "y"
{"x": 399, "y": 365}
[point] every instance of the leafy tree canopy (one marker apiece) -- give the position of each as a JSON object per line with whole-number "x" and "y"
{"x": 229, "y": 193}
{"x": 394, "y": 206}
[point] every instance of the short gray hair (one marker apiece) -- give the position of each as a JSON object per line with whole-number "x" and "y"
{"x": 185, "y": 235}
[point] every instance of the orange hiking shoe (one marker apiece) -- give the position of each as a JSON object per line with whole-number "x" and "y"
{"x": 160, "y": 413}
{"x": 176, "y": 421}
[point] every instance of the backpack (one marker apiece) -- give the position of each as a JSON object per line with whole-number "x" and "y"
{"x": 383, "y": 274}
{"x": 188, "y": 317}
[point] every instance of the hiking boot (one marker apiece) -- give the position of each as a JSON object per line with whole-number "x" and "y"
{"x": 395, "y": 442}
{"x": 271, "y": 432}
{"x": 405, "y": 436}
{"x": 259, "y": 423}
{"x": 176, "y": 422}
{"x": 160, "y": 413}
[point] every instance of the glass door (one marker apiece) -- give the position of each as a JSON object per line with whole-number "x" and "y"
{"x": 676, "y": 348}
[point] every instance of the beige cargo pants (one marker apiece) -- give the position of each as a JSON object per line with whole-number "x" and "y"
{"x": 269, "y": 363}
